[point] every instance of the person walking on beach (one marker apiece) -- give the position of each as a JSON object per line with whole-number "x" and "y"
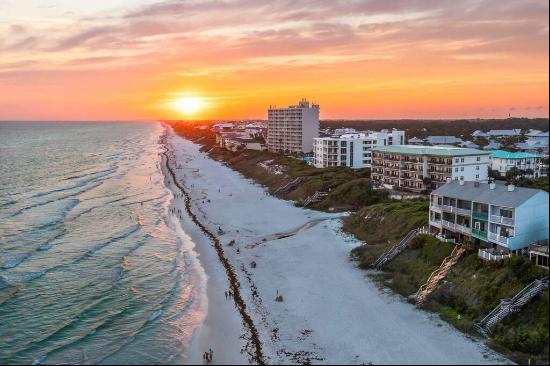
{"x": 226, "y": 295}
{"x": 210, "y": 353}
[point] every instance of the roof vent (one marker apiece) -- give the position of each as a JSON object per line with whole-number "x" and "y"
{"x": 448, "y": 180}
{"x": 476, "y": 183}
{"x": 511, "y": 187}
{"x": 461, "y": 182}
{"x": 492, "y": 185}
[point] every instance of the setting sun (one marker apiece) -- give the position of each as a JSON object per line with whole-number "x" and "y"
{"x": 189, "y": 105}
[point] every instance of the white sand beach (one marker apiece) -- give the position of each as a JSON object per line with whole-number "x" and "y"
{"x": 331, "y": 313}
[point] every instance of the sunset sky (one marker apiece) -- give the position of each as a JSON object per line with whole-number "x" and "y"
{"x": 137, "y": 59}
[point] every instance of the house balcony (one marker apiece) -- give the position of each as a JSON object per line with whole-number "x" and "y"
{"x": 498, "y": 238}
{"x": 502, "y": 220}
{"x": 463, "y": 229}
{"x": 482, "y": 216}
{"x": 448, "y": 208}
{"x": 480, "y": 234}
{"x": 436, "y": 223}
{"x": 463, "y": 211}
{"x": 435, "y": 207}
{"x": 448, "y": 225}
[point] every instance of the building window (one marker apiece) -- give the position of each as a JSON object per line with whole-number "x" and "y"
{"x": 456, "y": 170}
{"x": 456, "y": 160}
{"x": 478, "y": 158}
{"x": 462, "y": 160}
{"x": 477, "y": 176}
{"x": 477, "y": 167}
{"x": 462, "y": 169}
{"x": 461, "y": 177}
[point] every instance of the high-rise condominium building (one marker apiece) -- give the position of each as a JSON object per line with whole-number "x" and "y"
{"x": 292, "y": 129}
{"x": 418, "y": 168}
{"x": 353, "y": 150}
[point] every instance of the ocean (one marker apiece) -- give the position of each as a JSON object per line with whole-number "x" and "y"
{"x": 92, "y": 269}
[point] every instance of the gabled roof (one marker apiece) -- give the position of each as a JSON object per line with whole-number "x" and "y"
{"x": 499, "y": 196}
{"x": 514, "y": 132}
{"x": 443, "y": 139}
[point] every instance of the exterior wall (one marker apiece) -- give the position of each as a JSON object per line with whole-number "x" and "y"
{"x": 470, "y": 168}
{"x": 292, "y": 129}
{"x": 531, "y": 221}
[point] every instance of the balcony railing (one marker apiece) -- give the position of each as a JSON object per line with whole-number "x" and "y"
{"x": 435, "y": 223}
{"x": 498, "y": 238}
{"x": 484, "y": 254}
{"x": 463, "y": 229}
{"x": 447, "y": 224}
{"x": 502, "y": 220}
{"x": 463, "y": 211}
{"x": 480, "y": 234}
{"x": 436, "y": 207}
{"x": 448, "y": 208}
{"x": 483, "y": 216}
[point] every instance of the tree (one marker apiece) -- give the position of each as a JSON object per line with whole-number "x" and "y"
{"x": 513, "y": 174}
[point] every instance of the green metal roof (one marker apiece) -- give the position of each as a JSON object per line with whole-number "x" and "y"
{"x": 501, "y": 154}
{"x": 440, "y": 150}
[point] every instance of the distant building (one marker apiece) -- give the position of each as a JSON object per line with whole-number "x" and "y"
{"x": 292, "y": 129}
{"x": 502, "y": 161}
{"x": 478, "y": 133}
{"x": 416, "y": 141}
{"x": 236, "y": 142}
{"x": 352, "y": 150}
{"x": 419, "y": 168}
{"x": 504, "y": 133}
{"x": 442, "y": 140}
{"x": 344, "y": 131}
{"x": 495, "y": 216}
{"x": 533, "y": 146}
{"x": 469, "y": 145}
{"x": 539, "y": 136}
{"x": 493, "y": 145}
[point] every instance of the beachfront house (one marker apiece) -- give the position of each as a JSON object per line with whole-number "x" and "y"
{"x": 531, "y": 165}
{"x": 497, "y": 217}
{"x": 415, "y": 141}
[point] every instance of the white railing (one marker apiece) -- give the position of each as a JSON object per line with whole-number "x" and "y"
{"x": 448, "y": 208}
{"x": 448, "y": 240}
{"x": 502, "y": 220}
{"x": 435, "y": 206}
{"x": 499, "y": 238}
{"x": 435, "y": 222}
{"x": 463, "y": 211}
{"x": 463, "y": 229}
{"x": 484, "y": 254}
{"x": 447, "y": 224}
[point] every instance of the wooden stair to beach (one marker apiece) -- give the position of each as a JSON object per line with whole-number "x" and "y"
{"x": 289, "y": 186}
{"x": 510, "y": 306}
{"x": 395, "y": 250}
{"x": 448, "y": 263}
{"x": 314, "y": 198}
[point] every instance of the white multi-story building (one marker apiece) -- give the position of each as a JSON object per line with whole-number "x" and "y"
{"x": 419, "y": 168}
{"x": 292, "y": 129}
{"x": 352, "y": 150}
{"x": 531, "y": 164}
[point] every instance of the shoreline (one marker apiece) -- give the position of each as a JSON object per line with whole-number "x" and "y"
{"x": 254, "y": 342}
{"x": 314, "y": 323}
